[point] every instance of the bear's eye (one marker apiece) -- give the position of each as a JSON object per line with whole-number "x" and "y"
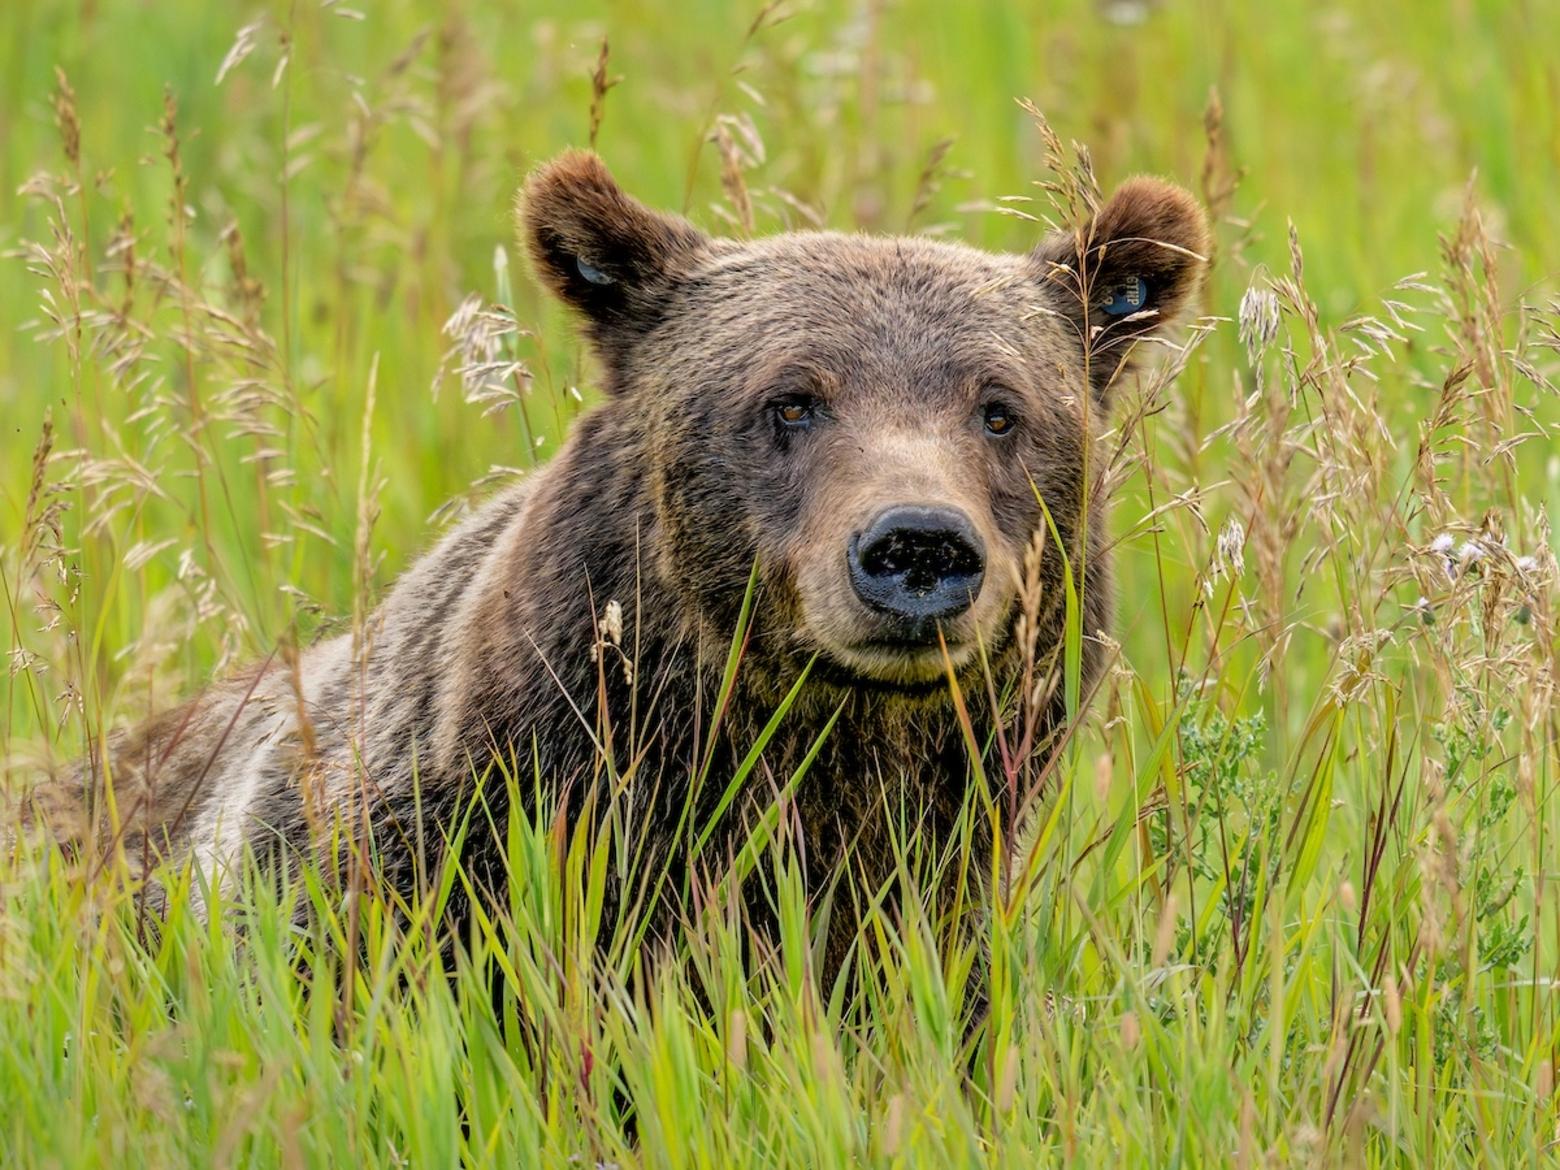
{"x": 795, "y": 414}
{"x": 1000, "y": 420}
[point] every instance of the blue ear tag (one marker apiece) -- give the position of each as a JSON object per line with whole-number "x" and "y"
{"x": 591, "y": 273}
{"x": 1128, "y": 297}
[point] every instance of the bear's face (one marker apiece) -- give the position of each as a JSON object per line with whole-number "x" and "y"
{"x": 881, "y": 424}
{"x": 876, "y": 420}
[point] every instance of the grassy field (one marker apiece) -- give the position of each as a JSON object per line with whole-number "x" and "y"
{"x": 1291, "y": 898}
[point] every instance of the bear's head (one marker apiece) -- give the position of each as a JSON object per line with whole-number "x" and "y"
{"x": 882, "y": 425}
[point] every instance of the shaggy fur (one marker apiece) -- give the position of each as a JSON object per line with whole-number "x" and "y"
{"x": 662, "y": 501}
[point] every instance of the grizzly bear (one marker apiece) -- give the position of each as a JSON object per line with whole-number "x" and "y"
{"x": 851, "y": 440}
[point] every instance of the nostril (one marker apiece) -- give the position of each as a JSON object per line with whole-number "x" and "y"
{"x": 925, "y": 557}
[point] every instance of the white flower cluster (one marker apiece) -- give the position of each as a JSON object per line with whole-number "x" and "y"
{"x": 1471, "y": 558}
{"x": 609, "y": 636}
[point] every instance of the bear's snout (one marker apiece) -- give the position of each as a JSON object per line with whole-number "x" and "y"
{"x": 917, "y": 566}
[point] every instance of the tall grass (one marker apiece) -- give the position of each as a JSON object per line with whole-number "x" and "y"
{"x": 1286, "y": 894}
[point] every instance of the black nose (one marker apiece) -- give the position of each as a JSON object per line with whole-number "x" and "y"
{"x": 918, "y": 565}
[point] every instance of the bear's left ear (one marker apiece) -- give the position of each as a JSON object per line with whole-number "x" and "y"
{"x": 1127, "y": 273}
{"x": 608, "y": 256}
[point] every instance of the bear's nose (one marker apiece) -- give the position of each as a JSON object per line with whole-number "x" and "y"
{"x": 918, "y": 565}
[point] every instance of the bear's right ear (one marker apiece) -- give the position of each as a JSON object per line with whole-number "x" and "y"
{"x": 1126, "y": 274}
{"x": 604, "y": 254}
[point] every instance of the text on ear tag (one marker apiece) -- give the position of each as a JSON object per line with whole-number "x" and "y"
{"x": 1127, "y": 297}
{"x": 590, "y": 272}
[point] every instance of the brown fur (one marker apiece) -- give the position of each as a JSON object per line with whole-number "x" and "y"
{"x": 662, "y": 500}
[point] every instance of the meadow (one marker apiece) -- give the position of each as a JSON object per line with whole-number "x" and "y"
{"x": 1286, "y": 898}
